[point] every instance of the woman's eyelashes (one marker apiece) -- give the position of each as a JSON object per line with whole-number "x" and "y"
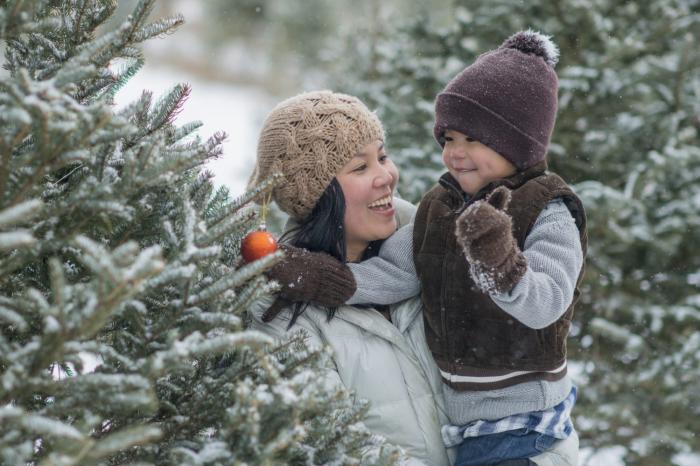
{"x": 382, "y": 160}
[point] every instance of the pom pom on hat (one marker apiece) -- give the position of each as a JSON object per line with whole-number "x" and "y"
{"x": 535, "y": 43}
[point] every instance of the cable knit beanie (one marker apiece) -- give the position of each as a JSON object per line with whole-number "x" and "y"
{"x": 507, "y": 99}
{"x": 309, "y": 138}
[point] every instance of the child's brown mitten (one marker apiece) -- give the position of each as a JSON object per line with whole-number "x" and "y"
{"x": 312, "y": 277}
{"x": 485, "y": 233}
{"x": 272, "y": 312}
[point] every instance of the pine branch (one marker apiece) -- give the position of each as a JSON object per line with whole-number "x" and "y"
{"x": 251, "y": 292}
{"x": 141, "y": 12}
{"x": 680, "y": 73}
{"x": 159, "y": 28}
{"x": 21, "y": 213}
{"x": 226, "y": 228}
{"x": 256, "y": 193}
{"x": 122, "y": 77}
{"x": 168, "y": 107}
{"x": 236, "y": 279}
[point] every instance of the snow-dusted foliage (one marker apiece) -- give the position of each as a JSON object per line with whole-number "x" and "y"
{"x": 628, "y": 138}
{"x": 122, "y": 294}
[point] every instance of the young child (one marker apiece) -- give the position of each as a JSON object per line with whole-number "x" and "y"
{"x": 496, "y": 250}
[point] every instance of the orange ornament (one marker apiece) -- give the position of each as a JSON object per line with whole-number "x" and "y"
{"x": 258, "y": 244}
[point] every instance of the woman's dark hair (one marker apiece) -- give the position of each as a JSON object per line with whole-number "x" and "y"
{"x": 323, "y": 231}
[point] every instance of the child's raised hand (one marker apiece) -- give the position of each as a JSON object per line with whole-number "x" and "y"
{"x": 484, "y": 227}
{"x": 484, "y": 231}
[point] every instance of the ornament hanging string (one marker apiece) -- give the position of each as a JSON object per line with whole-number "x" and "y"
{"x": 263, "y": 211}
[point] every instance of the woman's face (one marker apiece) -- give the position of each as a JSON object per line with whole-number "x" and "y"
{"x": 368, "y": 182}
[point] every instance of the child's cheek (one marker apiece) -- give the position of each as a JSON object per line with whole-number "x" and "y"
{"x": 445, "y": 158}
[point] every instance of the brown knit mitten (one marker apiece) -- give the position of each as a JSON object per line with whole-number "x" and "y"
{"x": 485, "y": 233}
{"x": 312, "y": 277}
{"x": 279, "y": 304}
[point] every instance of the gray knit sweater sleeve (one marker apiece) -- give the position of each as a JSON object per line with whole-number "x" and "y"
{"x": 554, "y": 256}
{"x": 389, "y": 277}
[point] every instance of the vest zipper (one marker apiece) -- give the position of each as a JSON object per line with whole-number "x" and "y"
{"x": 443, "y": 322}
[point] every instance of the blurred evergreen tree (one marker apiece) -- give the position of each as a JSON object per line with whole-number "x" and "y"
{"x": 278, "y": 42}
{"x": 628, "y": 138}
{"x": 287, "y": 46}
{"x": 122, "y": 296}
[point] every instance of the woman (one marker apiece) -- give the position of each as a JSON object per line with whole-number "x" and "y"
{"x": 338, "y": 190}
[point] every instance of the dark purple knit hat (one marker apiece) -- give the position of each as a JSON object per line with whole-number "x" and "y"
{"x": 506, "y": 99}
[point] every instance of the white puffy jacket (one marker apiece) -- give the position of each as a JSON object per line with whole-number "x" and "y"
{"x": 386, "y": 363}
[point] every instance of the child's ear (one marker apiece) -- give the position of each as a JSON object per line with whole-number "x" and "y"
{"x": 499, "y": 198}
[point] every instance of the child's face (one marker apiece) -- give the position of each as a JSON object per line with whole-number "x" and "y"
{"x": 473, "y": 164}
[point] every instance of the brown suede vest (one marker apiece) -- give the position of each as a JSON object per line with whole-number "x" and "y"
{"x": 466, "y": 331}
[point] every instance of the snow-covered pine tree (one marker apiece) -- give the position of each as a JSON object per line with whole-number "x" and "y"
{"x": 628, "y": 136}
{"x": 122, "y": 297}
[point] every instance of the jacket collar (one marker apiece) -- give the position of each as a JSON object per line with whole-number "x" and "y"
{"x": 405, "y": 315}
{"x": 373, "y": 322}
{"x": 452, "y": 186}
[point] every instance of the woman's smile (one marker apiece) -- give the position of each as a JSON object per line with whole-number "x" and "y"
{"x": 383, "y": 206}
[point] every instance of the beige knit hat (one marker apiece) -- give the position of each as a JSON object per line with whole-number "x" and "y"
{"x": 308, "y": 139}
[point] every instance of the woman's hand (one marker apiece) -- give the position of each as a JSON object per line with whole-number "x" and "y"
{"x": 312, "y": 277}
{"x": 484, "y": 230}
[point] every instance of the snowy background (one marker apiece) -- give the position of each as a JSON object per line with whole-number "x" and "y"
{"x": 236, "y": 109}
